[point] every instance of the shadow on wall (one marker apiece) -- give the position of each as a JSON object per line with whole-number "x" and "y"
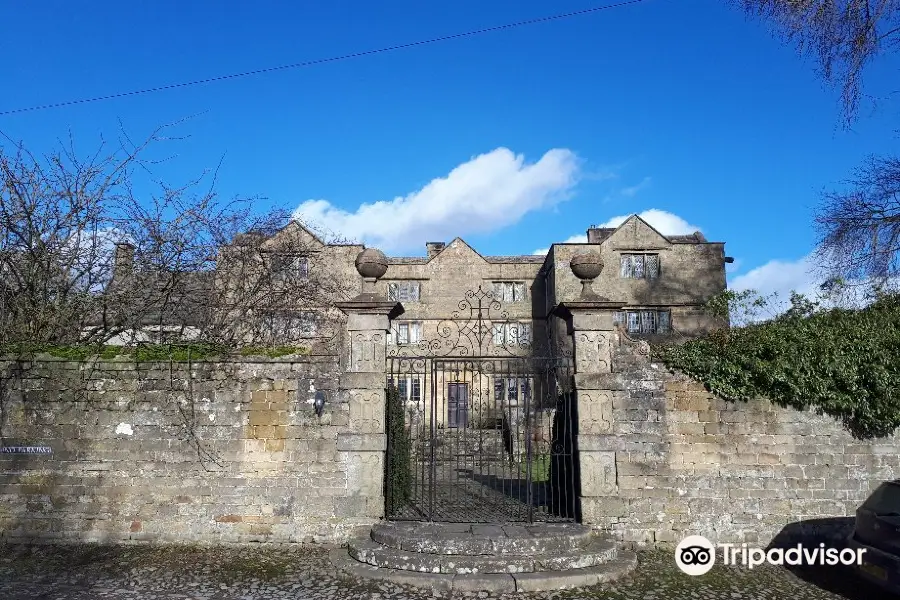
{"x": 564, "y": 485}
{"x": 840, "y": 580}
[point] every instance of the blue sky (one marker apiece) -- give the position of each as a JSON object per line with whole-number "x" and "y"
{"x": 511, "y": 140}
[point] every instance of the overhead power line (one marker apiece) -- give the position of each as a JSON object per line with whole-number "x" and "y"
{"x": 320, "y": 61}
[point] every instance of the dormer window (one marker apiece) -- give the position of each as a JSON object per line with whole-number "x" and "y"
{"x": 639, "y": 266}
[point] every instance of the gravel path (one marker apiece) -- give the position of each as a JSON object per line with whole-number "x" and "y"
{"x": 264, "y": 573}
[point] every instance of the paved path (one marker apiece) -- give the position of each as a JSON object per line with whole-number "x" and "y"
{"x": 264, "y": 573}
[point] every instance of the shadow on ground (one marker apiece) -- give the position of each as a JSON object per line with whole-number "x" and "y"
{"x": 840, "y": 580}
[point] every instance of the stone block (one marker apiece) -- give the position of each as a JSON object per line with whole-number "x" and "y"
{"x": 367, "y": 411}
{"x": 361, "y": 442}
{"x": 599, "y": 381}
{"x": 595, "y": 412}
{"x": 598, "y": 473}
{"x": 363, "y": 380}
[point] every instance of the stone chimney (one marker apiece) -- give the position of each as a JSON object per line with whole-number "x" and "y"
{"x": 593, "y": 234}
{"x": 433, "y": 248}
{"x": 123, "y": 260}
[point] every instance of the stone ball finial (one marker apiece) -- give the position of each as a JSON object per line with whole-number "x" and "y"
{"x": 586, "y": 265}
{"x": 371, "y": 263}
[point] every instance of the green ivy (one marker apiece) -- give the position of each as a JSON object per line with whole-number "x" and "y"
{"x": 140, "y": 353}
{"x": 179, "y": 352}
{"x": 843, "y": 363}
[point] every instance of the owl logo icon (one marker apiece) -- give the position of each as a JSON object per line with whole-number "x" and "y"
{"x": 695, "y": 555}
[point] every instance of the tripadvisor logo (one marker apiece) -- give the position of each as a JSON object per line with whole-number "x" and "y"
{"x": 696, "y": 555}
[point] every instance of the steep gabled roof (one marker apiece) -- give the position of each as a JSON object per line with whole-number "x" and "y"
{"x": 422, "y": 260}
{"x": 693, "y": 238}
{"x": 635, "y": 217}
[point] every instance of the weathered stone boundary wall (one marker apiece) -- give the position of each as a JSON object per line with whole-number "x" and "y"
{"x": 209, "y": 452}
{"x": 688, "y": 462}
{"x": 232, "y": 452}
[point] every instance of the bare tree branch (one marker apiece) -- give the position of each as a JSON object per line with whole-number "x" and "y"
{"x": 859, "y": 229}
{"x": 843, "y": 36}
{"x": 86, "y": 258}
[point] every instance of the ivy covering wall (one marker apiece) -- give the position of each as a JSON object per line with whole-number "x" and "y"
{"x": 843, "y": 363}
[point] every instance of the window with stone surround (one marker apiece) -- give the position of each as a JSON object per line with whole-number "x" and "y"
{"x": 404, "y": 291}
{"x": 509, "y": 291}
{"x": 512, "y": 334}
{"x": 644, "y": 321}
{"x": 639, "y": 266}
{"x": 290, "y": 268}
{"x": 288, "y": 325}
{"x": 406, "y": 332}
{"x": 410, "y": 388}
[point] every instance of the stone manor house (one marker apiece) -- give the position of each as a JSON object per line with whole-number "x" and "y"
{"x": 663, "y": 281}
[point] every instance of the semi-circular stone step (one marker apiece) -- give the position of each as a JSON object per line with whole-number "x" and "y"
{"x": 542, "y": 581}
{"x": 594, "y": 552}
{"x": 474, "y": 539}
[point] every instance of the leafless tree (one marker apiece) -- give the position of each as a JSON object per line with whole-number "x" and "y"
{"x": 842, "y": 36}
{"x": 858, "y": 226}
{"x": 89, "y": 256}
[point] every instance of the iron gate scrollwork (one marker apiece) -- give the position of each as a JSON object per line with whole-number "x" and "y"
{"x": 481, "y": 423}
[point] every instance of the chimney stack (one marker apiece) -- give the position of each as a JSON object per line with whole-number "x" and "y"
{"x": 433, "y": 248}
{"x": 123, "y": 260}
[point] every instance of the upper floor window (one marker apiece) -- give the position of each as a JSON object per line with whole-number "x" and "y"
{"x": 406, "y": 332}
{"x": 644, "y": 321}
{"x": 403, "y": 291}
{"x": 639, "y": 266}
{"x": 509, "y": 291}
{"x": 288, "y": 268}
{"x": 511, "y": 334}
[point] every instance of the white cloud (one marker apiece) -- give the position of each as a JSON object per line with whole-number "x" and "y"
{"x": 781, "y": 277}
{"x": 802, "y": 276}
{"x": 630, "y": 192}
{"x": 487, "y": 193}
{"x": 665, "y": 222}
{"x": 734, "y": 267}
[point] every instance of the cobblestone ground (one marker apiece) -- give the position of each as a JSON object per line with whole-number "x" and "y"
{"x": 151, "y": 573}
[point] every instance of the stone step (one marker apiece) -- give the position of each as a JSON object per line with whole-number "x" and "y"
{"x": 474, "y": 539}
{"x": 541, "y": 581}
{"x": 594, "y": 553}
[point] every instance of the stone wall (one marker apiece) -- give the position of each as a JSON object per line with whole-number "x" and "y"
{"x": 688, "y": 462}
{"x": 232, "y": 452}
{"x": 215, "y": 452}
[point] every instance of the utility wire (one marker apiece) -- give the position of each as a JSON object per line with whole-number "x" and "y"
{"x": 320, "y": 61}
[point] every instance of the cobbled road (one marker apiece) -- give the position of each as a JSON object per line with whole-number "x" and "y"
{"x": 230, "y": 573}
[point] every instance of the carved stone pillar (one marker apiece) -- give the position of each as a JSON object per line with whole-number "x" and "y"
{"x": 362, "y": 384}
{"x": 590, "y": 323}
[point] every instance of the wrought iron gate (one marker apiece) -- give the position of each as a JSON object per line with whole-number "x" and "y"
{"x": 480, "y": 431}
